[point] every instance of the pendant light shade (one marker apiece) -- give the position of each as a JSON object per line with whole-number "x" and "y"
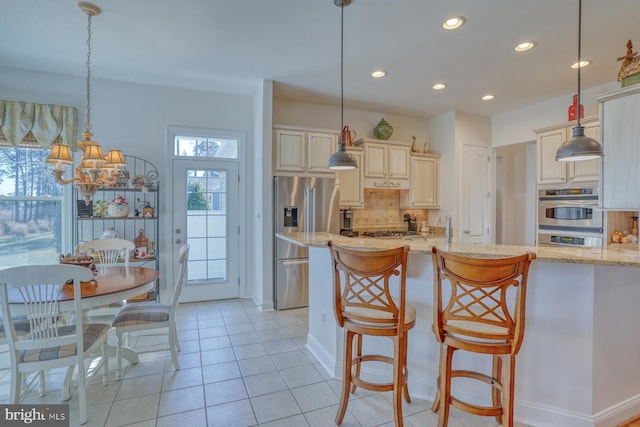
{"x": 341, "y": 160}
{"x": 580, "y": 146}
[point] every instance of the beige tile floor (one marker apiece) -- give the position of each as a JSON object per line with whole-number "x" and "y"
{"x": 239, "y": 367}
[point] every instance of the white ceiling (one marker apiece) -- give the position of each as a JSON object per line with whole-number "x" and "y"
{"x": 229, "y": 46}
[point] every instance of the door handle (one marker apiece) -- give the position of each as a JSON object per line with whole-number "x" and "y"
{"x": 178, "y": 241}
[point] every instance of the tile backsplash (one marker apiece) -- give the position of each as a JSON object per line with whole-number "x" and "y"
{"x": 383, "y": 212}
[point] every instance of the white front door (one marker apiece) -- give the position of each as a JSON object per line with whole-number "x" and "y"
{"x": 205, "y": 215}
{"x": 474, "y": 206}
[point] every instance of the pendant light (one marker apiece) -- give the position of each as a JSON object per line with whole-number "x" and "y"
{"x": 580, "y": 146}
{"x": 94, "y": 170}
{"x": 341, "y": 160}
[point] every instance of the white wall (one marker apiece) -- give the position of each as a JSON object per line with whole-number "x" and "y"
{"x": 261, "y": 214}
{"x": 442, "y": 140}
{"x": 135, "y": 117}
{"x": 294, "y": 113}
{"x": 518, "y": 125}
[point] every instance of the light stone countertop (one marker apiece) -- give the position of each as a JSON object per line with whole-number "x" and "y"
{"x": 613, "y": 255}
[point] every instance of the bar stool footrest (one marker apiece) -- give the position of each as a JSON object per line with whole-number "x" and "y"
{"x": 368, "y": 385}
{"x": 469, "y": 407}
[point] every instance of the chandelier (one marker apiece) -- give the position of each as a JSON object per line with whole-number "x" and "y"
{"x": 95, "y": 170}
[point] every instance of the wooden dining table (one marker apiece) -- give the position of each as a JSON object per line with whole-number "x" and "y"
{"x": 110, "y": 285}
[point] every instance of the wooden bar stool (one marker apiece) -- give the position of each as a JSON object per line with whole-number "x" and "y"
{"x": 364, "y": 304}
{"x": 481, "y": 309}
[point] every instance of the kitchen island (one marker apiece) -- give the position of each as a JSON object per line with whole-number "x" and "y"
{"x": 579, "y": 365}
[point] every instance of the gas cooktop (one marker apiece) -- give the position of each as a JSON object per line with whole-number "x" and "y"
{"x": 389, "y": 233}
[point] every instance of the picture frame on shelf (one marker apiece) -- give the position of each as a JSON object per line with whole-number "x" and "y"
{"x": 85, "y": 210}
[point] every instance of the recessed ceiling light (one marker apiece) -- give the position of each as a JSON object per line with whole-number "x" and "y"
{"x": 488, "y": 97}
{"x": 438, "y": 86}
{"x": 454, "y": 22}
{"x": 583, "y": 63}
{"x": 524, "y": 46}
{"x": 378, "y": 74}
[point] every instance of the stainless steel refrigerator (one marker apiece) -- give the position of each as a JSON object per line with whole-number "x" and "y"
{"x": 301, "y": 205}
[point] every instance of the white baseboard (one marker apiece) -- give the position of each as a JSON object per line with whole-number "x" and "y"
{"x": 326, "y": 360}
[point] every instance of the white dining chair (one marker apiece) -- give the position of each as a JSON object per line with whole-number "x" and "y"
{"x": 51, "y": 343}
{"x": 109, "y": 252}
{"x": 146, "y": 316}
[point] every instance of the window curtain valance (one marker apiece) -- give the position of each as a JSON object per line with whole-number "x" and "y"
{"x": 25, "y": 124}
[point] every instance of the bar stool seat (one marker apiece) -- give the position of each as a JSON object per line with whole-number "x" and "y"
{"x": 479, "y": 306}
{"x": 367, "y": 303}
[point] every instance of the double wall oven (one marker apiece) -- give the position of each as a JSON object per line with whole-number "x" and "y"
{"x": 570, "y": 216}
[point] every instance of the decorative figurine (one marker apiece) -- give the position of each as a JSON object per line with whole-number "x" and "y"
{"x": 414, "y": 146}
{"x": 630, "y": 70}
{"x": 425, "y": 148}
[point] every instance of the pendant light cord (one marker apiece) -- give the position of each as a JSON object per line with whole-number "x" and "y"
{"x": 341, "y": 72}
{"x": 579, "y": 55}
{"x": 88, "y": 123}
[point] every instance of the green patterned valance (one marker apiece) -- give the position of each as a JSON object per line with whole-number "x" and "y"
{"x": 25, "y": 124}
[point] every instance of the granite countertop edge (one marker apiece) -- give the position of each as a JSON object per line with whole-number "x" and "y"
{"x": 611, "y": 256}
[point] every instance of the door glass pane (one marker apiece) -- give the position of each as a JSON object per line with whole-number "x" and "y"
{"x": 207, "y": 225}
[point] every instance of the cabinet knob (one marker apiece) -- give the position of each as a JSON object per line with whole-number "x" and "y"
{"x": 467, "y": 231}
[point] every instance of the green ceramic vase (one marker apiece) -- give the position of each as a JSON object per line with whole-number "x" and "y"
{"x": 383, "y": 130}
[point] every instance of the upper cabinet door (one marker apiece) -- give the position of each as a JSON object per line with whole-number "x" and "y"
{"x": 620, "y": 139}
{"x": 291, "y": 152}
{"x": 586, "y": 170}
{"x": 551, "y": 171}
{"x": 398, "y": 162}
{"x": 375, "y": 164}
{"x": 320, "y": 146}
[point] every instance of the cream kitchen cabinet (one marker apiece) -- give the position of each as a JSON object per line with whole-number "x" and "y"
{"x": 551, "y": 171}
{"x": 424, "y": 189}
{"x": 386, "y": 164}
{"x": 619, "y": 112}
{"x": 352, "y": 182}
{"x": 301, "y": 152}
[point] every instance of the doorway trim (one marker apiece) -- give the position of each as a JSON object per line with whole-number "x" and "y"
{"x": 167, "y": 221}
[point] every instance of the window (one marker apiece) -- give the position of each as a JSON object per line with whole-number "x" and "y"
{"x": 31, "y": 208}
{"x": 221, "y": 148}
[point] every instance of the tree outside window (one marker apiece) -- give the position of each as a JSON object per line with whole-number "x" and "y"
{"x": 31, "y": 204}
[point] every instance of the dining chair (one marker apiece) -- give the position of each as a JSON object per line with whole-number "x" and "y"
{"x": 51, "y": 343}
{"x": 139, "y": 316}
{"x": 108, "y": 253}
{"x": 479, "y": 306}
{"x": 369, "y": 290}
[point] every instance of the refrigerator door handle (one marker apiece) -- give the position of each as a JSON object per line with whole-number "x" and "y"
{"x": 305, "y": 209}
{"x": 296, "y": 261}
{"x": 312, "y": 224}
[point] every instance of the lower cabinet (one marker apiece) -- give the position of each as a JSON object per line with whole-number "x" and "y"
{"x": 352, "y": 182}
{"x": 424, "y": 190}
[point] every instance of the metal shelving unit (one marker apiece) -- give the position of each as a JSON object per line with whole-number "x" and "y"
{"x": 139, "y": 185}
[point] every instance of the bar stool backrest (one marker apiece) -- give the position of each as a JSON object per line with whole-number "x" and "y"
{"x": 364, "y": 290}
{"x": 484, "y": 304}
